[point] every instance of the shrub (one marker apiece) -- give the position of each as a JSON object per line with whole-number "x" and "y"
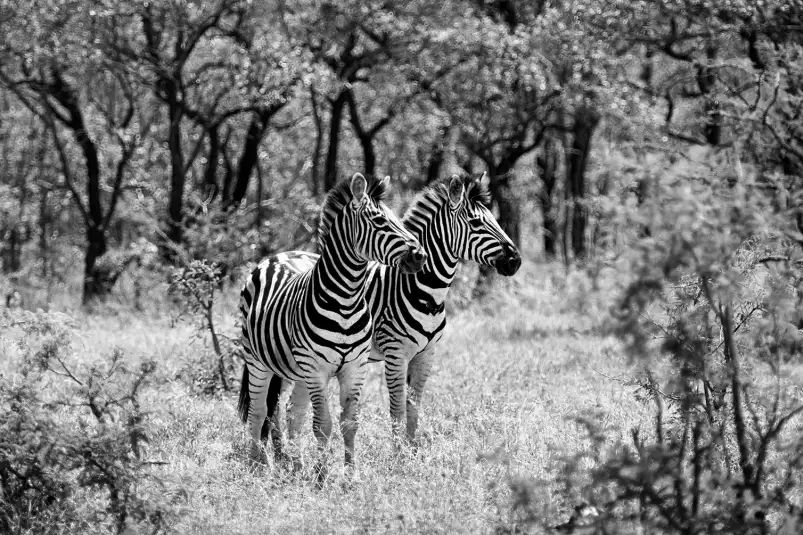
{"x": 701, "y": 296}
{"x": 711, "y": 296}
{"x": 72, "y": 452}
{"x": 196, "y": 285}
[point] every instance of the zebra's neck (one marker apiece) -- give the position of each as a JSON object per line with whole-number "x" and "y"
{"x": 438, "y": 272}
{"x": 338, "y": 280}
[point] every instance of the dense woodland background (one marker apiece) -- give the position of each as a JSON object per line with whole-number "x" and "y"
{"x": 219, "y": 126}
{"x": 646, "y": 155}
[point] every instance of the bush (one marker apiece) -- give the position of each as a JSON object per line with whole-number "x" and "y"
{"x": 709, "y": 308}
{"x": 230, "y": 238}
{"x": 196, "y": 285}
{"x": 701, "y": 297}
{"x": 72, "y": 452}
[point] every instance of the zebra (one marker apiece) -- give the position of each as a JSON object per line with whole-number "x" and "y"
{"x": 305, "y": 317}
{"x": 452, "y": 220}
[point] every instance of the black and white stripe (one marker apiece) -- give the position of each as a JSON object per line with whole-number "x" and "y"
{"x": 452, "y": 221}
{"x": 305, "y": 318}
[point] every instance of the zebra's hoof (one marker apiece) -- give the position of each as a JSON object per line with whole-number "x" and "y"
{"x": 352, "y": 479}
{"x": 281, "y": 458}
{"x": 298, "y": 466}
{"x": 257, "y": 455}
{"x": 321, "y": 475}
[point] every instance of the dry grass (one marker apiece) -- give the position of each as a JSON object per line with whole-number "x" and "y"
{"x": 512, "y": 374}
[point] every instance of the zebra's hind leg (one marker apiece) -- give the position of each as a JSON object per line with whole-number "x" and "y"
{"x": 396, "y": 376}
{"x": 351, "y": 379}
{"x": 318, "y": 388}
{"x": 258, "y": 383}
{"x": 418, "y": 371}
{"x": 297, "y": 409}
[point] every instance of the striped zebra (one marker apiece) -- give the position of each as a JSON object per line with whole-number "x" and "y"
{"x": 305, "y": 317}
{"x": 452, "y": 221}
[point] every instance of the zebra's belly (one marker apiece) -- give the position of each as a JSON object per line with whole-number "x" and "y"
{"x": 330, "y": 361}
{"x": 295, "y": 359}
{"x": 403, "y": 342}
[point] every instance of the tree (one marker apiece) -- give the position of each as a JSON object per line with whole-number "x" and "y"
{"x": 22, "y": 149}
{"x": 548, "y": 165}
{"x": 728, "y": 76}
{"x": 43, "y": 73}
{"x": 252, "y": 72}
{"x": 161, "y": 47}
{"x": 367, "y": 54}
{"x": 503, "y": 99}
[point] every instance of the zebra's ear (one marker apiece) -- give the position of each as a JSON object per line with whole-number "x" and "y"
{"x": 456, "y": 190}
{"x": 358, "y": 187}
{"x": 485, "y": 180}
{"x": 384, "y": 184}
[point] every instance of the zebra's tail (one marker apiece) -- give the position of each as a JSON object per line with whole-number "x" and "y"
{"x": 245, "y": 396}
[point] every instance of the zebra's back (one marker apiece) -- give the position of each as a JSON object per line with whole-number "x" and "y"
{"x": 270, "y": 304}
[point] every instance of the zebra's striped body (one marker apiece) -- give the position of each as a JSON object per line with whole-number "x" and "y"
{"x": 452, "y": 221}
{"x": 305, "y": 318}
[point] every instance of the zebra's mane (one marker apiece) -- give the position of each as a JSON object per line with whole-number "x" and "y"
{"x": 438, "y": 192}
{"x": 340, "y": 196}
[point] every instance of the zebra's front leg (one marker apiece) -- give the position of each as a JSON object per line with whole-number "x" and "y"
{"x": 318, "y": 388}
{"x": 296, "y": 416}
{"x": 418, "y": 371}
{"x": 396, "y": 378}
{"x": 351, "y": 379}
{"x": 277, "y": 410}
{"x": 297, "y": 409}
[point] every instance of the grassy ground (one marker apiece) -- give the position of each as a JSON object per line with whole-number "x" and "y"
{"x": 513, "y": 373}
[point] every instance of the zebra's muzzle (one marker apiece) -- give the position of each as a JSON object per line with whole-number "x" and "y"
{"x": 414, "y": 260}
{"x": 508, "y": 262}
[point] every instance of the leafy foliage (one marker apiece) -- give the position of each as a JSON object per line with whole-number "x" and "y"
{"x": 73, "y": 452}
{"x": 713, "y": 292}
{"x": 197, "y": 284}
{"x": 661, "y": 138}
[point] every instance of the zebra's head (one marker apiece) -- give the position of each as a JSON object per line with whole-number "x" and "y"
{"x": 474, "y": 232}
{"x": 368, "y": 225}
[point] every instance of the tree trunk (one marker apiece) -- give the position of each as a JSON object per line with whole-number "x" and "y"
{"x": 260, "y": 194}
{"x": 369, "y": 156}
{"x": 248, "y": 159}
{"x": 548, "y": 163}
{"x": 96, "y": 247}
{"x": 210, "y": 173}
{"x": 643, "y": 193}
{"x": 43, "y": 220}
{"x": 11, "y": 261}
{"x": 507, "y": 202}
{"x": 366, "y": 138}
{"x": 706, "y": 78}
{"x": 585, "y": 122}
{"x": 95, "y": 230}
{"x": 316, "y": 156}
{"x": 228, "y": 175}
{"x": 438, "y": 153}
{"x": 177, "y": 174}
{"x": 330, "y": 173}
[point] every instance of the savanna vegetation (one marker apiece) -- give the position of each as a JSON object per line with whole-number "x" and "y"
{"x": 641, "y": 373}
